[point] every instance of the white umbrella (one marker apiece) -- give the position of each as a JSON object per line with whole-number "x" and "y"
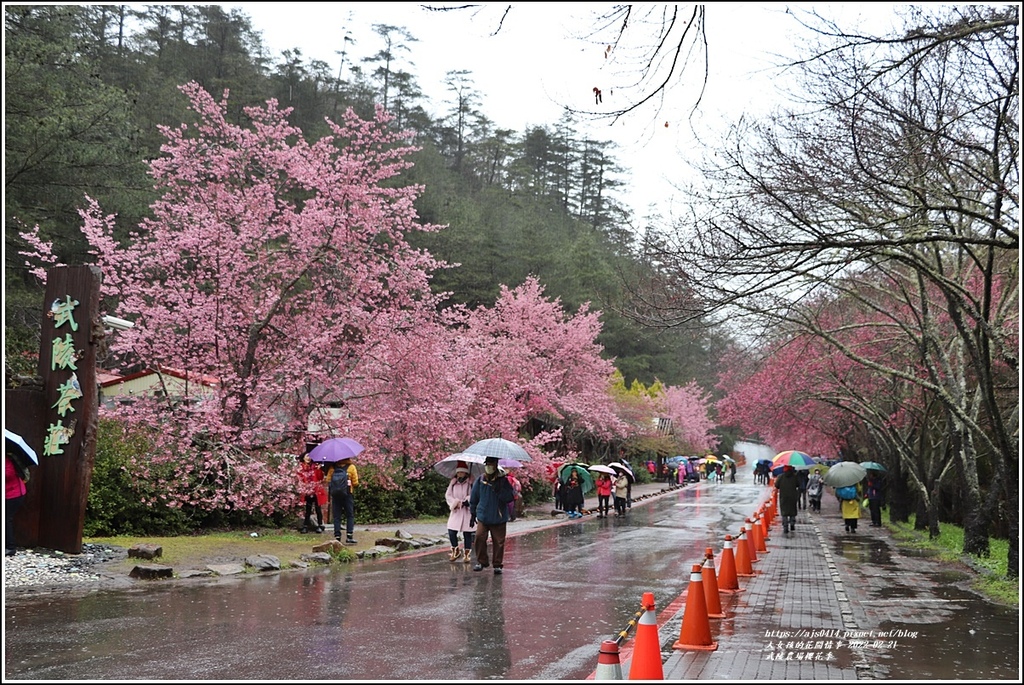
{"x": 623, "y": 467}
{"x": 601, "y": 468}
{"x": 500, "y": 448}
{"x": 844, "y": 473}
{"x": 14, "y": 440}
{"x": 446, "y": 467}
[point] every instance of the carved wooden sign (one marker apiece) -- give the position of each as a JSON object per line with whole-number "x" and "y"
{"x": 63, "y": 420}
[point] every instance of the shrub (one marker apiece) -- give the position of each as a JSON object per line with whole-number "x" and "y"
{"x": 115, "y": 502}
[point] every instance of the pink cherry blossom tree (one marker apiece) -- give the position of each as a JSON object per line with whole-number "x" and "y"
{"x": 688, "y": 408}
{"x": 526, "y": 358}
{"x": 277, "y": 266}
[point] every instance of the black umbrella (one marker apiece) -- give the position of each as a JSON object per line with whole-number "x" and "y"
{"x": 623, "y": 468}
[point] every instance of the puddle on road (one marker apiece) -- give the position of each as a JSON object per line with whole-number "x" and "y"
{"x": 867, "y": 550}
{"x": 981, "y": 642}
{"x": 947, "y": 633}
{"x": 897, "y": 592}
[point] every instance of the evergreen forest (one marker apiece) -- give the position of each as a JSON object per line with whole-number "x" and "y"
{"x": 87, "y": 87}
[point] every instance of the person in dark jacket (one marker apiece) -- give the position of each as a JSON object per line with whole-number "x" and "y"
{"x": 488, "y": 504}
{"x": 875, "y": 495}
{"x": 573, "y": 495}
{"x": 802, "y": 477}
{"x": 788, "y": 486}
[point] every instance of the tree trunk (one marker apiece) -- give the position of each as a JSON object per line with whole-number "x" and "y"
{"x": 900, "y": 498}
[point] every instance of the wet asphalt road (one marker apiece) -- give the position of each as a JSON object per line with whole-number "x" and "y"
{"x": 418, "y": 617}
{"x": 565, "y": 589}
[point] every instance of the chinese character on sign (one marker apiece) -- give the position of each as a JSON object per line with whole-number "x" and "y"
{"x": 64, "y": 354}
{"x": 61, "y": 313}
{"x": 57, "y": 434}
{"x": 68, "y": 392}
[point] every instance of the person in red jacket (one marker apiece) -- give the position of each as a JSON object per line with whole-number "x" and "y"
{"x": 311, "y": 487}
{"x": 603, "y": 485}
{"x": 14, "y": 490}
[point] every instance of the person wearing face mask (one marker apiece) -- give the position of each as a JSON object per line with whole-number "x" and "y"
{"x": 460, "y": 520}
{"x": 488, "y": 504}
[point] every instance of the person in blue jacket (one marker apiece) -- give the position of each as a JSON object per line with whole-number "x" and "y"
{"x": 488, "y": 505}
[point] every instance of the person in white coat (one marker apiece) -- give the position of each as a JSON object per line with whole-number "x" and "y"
{"x": 460, "y": 519}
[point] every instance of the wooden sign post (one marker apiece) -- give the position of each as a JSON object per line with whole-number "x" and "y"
{"x": 60, "y": 420}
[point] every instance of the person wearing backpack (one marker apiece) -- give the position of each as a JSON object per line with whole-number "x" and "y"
{"x": 342, "y": 479}
{"x": 814, "y": 490}
{"x": 849, "y": 504}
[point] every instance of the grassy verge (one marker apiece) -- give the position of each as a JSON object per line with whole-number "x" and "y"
{"x": 991, "y": 581}
{"x": 196, "y": 551}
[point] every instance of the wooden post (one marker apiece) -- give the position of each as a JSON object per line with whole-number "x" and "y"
{"x": 54, "y": 509}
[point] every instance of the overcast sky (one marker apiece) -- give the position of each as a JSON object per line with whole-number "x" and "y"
{"x": 535, "y": 66}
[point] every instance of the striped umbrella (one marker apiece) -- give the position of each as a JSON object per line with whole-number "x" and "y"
{"x": 794, "y": 458}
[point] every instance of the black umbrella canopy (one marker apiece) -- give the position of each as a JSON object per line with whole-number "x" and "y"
{"x": 623, "y": 468}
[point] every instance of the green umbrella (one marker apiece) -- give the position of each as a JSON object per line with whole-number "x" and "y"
{"x": 872, "y": 466}
{"x": 582, "y": 475}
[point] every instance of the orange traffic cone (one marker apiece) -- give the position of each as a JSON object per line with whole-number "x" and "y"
{"x": 646, "y": 661}
{"x": 758, "y": 533}
{"x": 710, "y": 582}
{"x": 696, "y": 630}
{"x": 751, "y": 549}
{"x": 766, "y": 522}
{"x": 743, "y": 567}
{"x": 727, "y": 581}
{"x": 608, "y": 666}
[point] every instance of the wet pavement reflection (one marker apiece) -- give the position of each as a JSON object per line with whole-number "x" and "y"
{"x": 944, "y": 632}
{"x": 565, "y": 590}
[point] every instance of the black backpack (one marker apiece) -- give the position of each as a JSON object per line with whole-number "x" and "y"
{"x": 339, "y": 480}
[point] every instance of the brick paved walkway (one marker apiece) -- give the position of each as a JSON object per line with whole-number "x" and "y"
{"x": 788, "y": 622}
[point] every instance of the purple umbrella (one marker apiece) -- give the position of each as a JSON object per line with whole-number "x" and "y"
{"x": 335, "y": 449}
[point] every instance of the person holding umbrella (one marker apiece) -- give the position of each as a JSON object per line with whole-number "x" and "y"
{"x": 849, "y": 506}
{"x": 788, "y": 486}
{"x": 621, "y": 491}
{"x": 488, "y": 504}
{"x": 603, "y": 484}
{"x": 17, "y": 456}
{"x": 14, "y": 490}
{"x": 460, "y": 520}
{"x": 875, "y": 493}
{"x": 573, "y": 495}
{"x": 342, "y": 480}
